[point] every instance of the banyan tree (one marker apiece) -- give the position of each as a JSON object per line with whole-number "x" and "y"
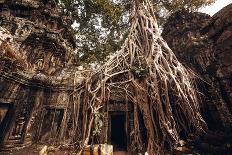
{"x": 144, "y": 86}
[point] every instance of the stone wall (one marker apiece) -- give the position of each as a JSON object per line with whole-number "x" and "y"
{"x": 203, "y": 43}
{"x": 36, "y": 77}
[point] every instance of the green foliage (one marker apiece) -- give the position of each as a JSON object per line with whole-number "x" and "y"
{"x": 101, "y": 25}
{"x": 98, "y": 123}
{"x": 139, "y": 68}
{"x": 139, "y": 71}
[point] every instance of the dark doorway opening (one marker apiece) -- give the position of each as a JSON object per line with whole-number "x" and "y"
{"x": 6, "y": 114}
{"x": 118, "y": 132}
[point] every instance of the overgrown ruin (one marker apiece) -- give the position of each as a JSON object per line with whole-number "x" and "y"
{"x": 141, "y": 100}
{"x": 37, "y": 44}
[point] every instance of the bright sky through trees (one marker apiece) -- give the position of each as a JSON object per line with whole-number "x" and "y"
{"x": 101, "y": 26}
{"x": 215, "y": 7}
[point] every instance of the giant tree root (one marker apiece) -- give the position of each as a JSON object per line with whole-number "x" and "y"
{"x": 146, "y": 72}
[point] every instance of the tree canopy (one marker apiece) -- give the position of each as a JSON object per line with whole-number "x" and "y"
{"x": 102, "y": 25}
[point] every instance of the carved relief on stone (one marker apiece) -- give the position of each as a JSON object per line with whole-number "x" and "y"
{"x": 19, "y": 125}
{"x": 51, "y": 123}
{"x": 45, "y": 48}
{"x": 30, "y": 126}
{"x": 44, "y": 56}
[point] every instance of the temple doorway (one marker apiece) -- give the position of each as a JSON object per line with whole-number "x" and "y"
{"x": 51, "y": 123}
{"x": 118, "y": 135}
{"x": 6, "y": 112}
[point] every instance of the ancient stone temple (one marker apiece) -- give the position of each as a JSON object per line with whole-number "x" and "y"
{"x": 36, "y": 46}
{"x": 139, "y": 101}
{"x": 204, "y": 44}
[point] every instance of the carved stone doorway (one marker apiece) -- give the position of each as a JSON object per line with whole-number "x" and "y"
{"x": 6, "y": 114}
{"x": 51, "y": 123}
{"x": 118, "y": 131}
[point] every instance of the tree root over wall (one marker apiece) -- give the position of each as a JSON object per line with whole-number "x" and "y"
{"x": 147, "y": 73}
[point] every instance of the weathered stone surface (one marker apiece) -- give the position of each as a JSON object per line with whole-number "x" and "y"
{"x": 36, "y": 78}
{"x": 39, "y": 42}
{"x": 204, "y": 44}
{"x": 220, "y": 31}
{"x": 182, "y": 34}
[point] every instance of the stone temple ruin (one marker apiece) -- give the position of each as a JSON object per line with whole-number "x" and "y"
{"x": 40, "y": 88}
{"x": 37, "y": 44}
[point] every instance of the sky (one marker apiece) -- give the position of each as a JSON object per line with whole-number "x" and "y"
{"x": 214, "y": 8}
